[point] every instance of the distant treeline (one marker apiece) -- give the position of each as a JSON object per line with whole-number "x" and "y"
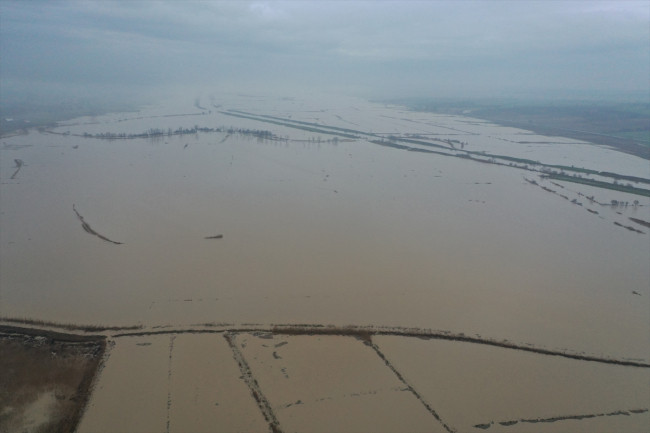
{"x": 158, "y": 132}
{"x": 449, "y": 149}
{"x": 296, "y": 124}
{"x": 613, "y": 186}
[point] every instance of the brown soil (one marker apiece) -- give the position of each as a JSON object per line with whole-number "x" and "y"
{"x": 45, "y": 378}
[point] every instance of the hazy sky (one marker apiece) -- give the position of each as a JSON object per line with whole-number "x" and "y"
{"x": 375, "y": 49}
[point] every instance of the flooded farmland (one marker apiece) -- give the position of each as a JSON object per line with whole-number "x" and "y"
{"x": 233, "y": 212}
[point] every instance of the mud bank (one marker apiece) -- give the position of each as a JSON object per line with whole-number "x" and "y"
{"x": 45, "y": 378}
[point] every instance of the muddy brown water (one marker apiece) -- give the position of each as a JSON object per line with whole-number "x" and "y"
{"x": 232, "y": 229}
{"x": 317, "y": 232}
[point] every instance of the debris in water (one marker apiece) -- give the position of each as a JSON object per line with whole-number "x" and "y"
{"x": 88, "y": 229}
{"x": 19, "y": 164}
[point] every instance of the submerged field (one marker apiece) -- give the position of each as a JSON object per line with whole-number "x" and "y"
{"x": 239, "y": 214}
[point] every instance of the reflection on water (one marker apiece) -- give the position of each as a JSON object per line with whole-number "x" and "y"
{"x": 339, "y": 232}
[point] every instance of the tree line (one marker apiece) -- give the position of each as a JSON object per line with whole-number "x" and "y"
{"x": 158, "y": 132}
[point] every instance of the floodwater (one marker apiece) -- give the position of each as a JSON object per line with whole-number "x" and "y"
{"x": 321, "y": 232}
{"x": 462, "y": 381}
{"x": 173, "y": 384}
{"x": 262, "y": 381}
{"x": 332, "y": 383}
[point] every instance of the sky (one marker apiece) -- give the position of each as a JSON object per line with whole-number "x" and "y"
{"x": 375, "y": 49}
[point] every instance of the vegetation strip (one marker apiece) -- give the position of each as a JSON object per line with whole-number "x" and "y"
{"x": 169, "y": 380}
{"x": 299, "y": 122}
{"x": 407, "y": 148}
{"x": 288, "y": 125}
{"x": 68, "y": 326}
{"x": 247, "y": 374}
{"x": 408, "y": 385}
{"x": 599, "y": 184}
{"x": 171, "y": 331}
{"x": 19, "y": 164}
{"x": 157, "y": 132}
{"x": 628, "y": 412}
{"x": 639, "y": 221}
{"x": 443, "y": 335}
{"x": 591, "y": 200}
{"x": 362, "y": 332}
{"x": 88, "y": 229}
{"x": 53, "y": 335}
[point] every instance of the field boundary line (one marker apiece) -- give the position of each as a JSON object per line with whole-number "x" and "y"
{"x": 410, "y": 387}
{"x": 247, "y": 375}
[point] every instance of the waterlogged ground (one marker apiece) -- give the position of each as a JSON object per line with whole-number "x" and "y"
{"x": 45, "y": 379}
{"x": 273, "y": 381}
{"x": 297, "y": 211}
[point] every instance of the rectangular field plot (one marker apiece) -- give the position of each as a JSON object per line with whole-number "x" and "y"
{"x": 172, "y": 383}
{"x": 131, "y": 391}
{"x": 329, "y": 384}
{"x": 476, "y": 387}
{"x": 206, "y": 389}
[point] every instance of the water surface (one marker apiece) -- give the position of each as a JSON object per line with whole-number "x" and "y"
{"x": 316, "y": 231}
